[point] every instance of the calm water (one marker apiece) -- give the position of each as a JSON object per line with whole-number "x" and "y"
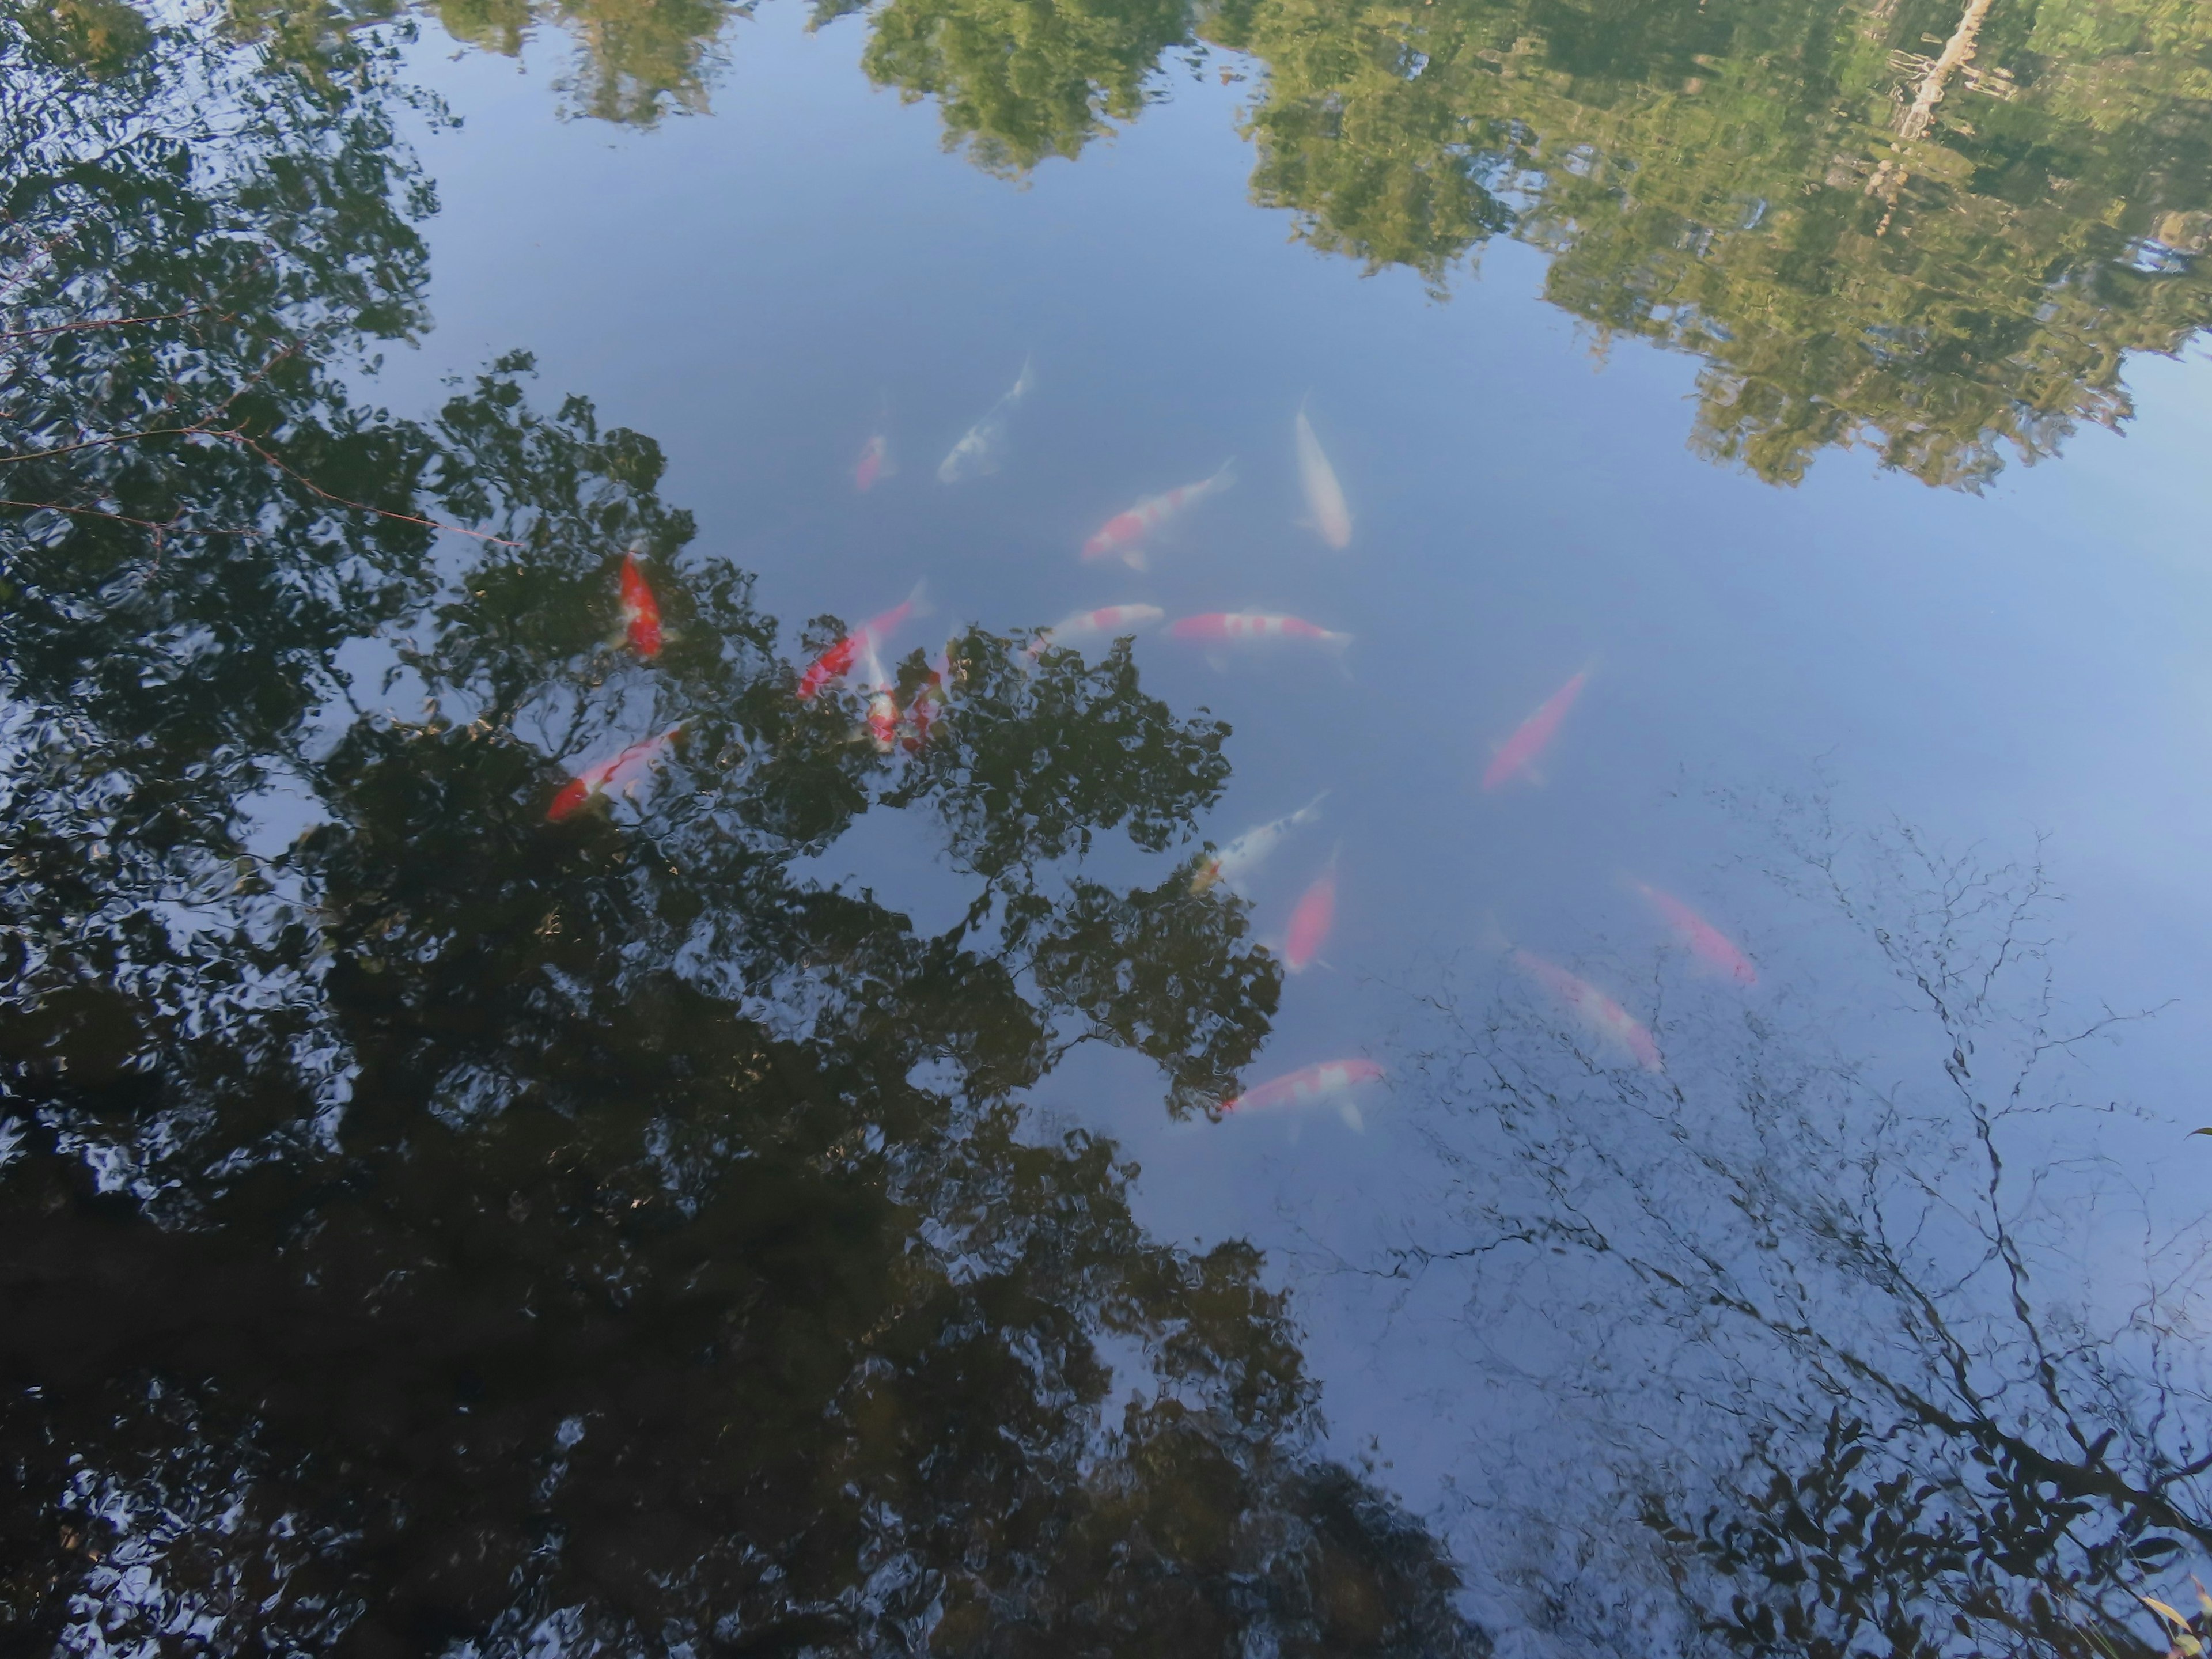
{"x": 1671, "y": 1138}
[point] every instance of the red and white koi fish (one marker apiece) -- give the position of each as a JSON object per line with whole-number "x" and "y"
{"x": 1705, "y": 942}
{"x": 623, "y": 774}
{"x": 1250, "y": 850}
{"x": 1332, "y": 1081}
{"x": 928, "y": 704}
{"x": 641, "y": 611}
{"x": 1123, "y": 534}
{"x": 1599, "y": 1014}
{"x": 1236, "y": 627}
{"x": 837, "y": 661}
{"x": 874, "y": 465}
{"x": 1107, "y": 622}
{"x": 1311, "y": 921}
{"x": 1533, "y": 735}
{"x": 1332, "y": 519}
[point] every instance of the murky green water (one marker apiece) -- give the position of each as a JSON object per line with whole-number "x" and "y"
{"x": 991, "y": 827}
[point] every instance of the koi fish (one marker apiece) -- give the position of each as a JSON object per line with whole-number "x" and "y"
{"x": 1226, "y": 626}
{"x": 874, "y": 465}
{"x": 1121, "y": 533}
{"x": 837, "y": 661}
{"x": 883, "y": 718}
{"x": 1112, "y": 620}
{"x": 1311, "y": 921}
{"x": 1250, "y": 850}
{"x": 978, "y": 451}
{"x": 1332, "y": 1080}
{"x": 641, "y": 611}
{"x": 928, "y": 704}
{"x": 1704, "y": 941}
{"x": 624, "y": 774}
{"x": 1332, "y": 519}
{"x": 1529, "y": 739}
{"x": 1601, "y": 1015}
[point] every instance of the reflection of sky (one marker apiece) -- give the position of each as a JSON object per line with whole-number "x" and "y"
{"x": 747, "y": 289}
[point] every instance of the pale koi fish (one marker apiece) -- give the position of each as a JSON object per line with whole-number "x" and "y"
{"x": 982, "y": 445}
{"x": 1332, "y": 519}
{"x": 1250, "y": 850}
{"x": 623, "y": 774}
{"x": 874, "y": 465}
{"x": 1705, "y": 942}
{"x": 1311, "y": 922}
{"x": 883, "y": 719}
{"x": 1331, "y": 1082}
{"x": 837, "y": 661}
{"x": 1533, "y": 735}
{"x": 1601, "y": 1015}
{"x": 1108, "y": 621}
{"x": 1238, "y": 627}
{"x": 1122, "y": 534}
{"x": 928, "y": 705}
{"x": 641, "y": 611}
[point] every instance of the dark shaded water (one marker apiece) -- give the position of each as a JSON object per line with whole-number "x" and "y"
{"x": 1493, "y": 1062}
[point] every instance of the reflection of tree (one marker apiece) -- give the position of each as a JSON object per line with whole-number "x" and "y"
{"x": 459, "y": 1230}
{"x": 1858, "y": 1350}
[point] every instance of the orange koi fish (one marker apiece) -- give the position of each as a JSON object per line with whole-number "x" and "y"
{"x": 874, "y": 464}
{"x": 1110, "y": 621}
{"x": 1704, "y": 941}
{"x": 1332, "y": 1080}
{"x": 1122, "y": 533}
{"x": 1228, "y": 627}
{"x": 1311, "y": 922}
{"x": 837, "y": 661}
{"x": 1599, "y": 1014}
{"x": 1530, "y": 739}
{"x": 641, "y": 611}
{"x": 624, "y": 774}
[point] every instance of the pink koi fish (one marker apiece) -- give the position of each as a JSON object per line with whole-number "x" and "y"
{"x": 1311, "y": 921}
{"x": 1108, "y": 621}
{"x": 1599, "y": 1014}
{"x": 837, "y": 661}
{"x": 1229, "y": 626}
{"x": 1704, "y": 941}
{"x": 623, "y": 774}
{"x": 1533, "y": 735}
{"x": 1332, "y": 1080}
{"x": 874, "y": 464}
{"x": 1124, "y": 532}
{"x": 641, "y": 611}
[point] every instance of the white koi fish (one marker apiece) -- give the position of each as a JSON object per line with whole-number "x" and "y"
{"x": 1107, "y": 622}
{"x": 980, "y": 446}
{"x": 1332, "y": 519}
{"x": 1250, "y": 850}
{"x": 1333, "y": 1081}
{"x": 1124, "y": 533}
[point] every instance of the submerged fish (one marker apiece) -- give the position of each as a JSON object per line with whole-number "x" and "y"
{"x": 641, "y": 611}
{"x": 882, "y": 717}
{"x": 1250, "y": 850}
{"x": 1107, "y": 622}
{"x": 1599, "y": 1014}
{"x": 1332, "y": 1080}
{"x": 837, "y": 661}
{"x": 1530, "y": 739}
{"x": 1238, "y": 627}
{"x": 875, "y": 464}
{"x": 1122, "y": 533}
{"x": 1311, "y": 922}
{"x": 980, "y": 446}
{"x": 1704, "y": 941}
{"x": 624, "y": 774}
{"x": 1332, "y": 519}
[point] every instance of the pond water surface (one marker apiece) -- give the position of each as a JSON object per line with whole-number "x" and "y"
{"x": 1560, "y": 1014}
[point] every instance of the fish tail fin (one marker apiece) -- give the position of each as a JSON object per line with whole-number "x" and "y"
{"x": 1225, "y": 475}
{"x": 1136, "y": 559}
{"x": 1492, "y": 937}
{"x": 1026, "y": 378}
{"x": 1307, "y": 813}
{"x": 917, "y": 601}
{"x": 1349, "y": 1111}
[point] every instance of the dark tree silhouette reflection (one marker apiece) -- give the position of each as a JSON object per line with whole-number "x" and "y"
{"x": 1888, "y": 1355}
{"x": 425, "y": 1227}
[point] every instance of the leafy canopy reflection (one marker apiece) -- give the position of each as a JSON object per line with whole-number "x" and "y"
{"x": 437, "y": 1229}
